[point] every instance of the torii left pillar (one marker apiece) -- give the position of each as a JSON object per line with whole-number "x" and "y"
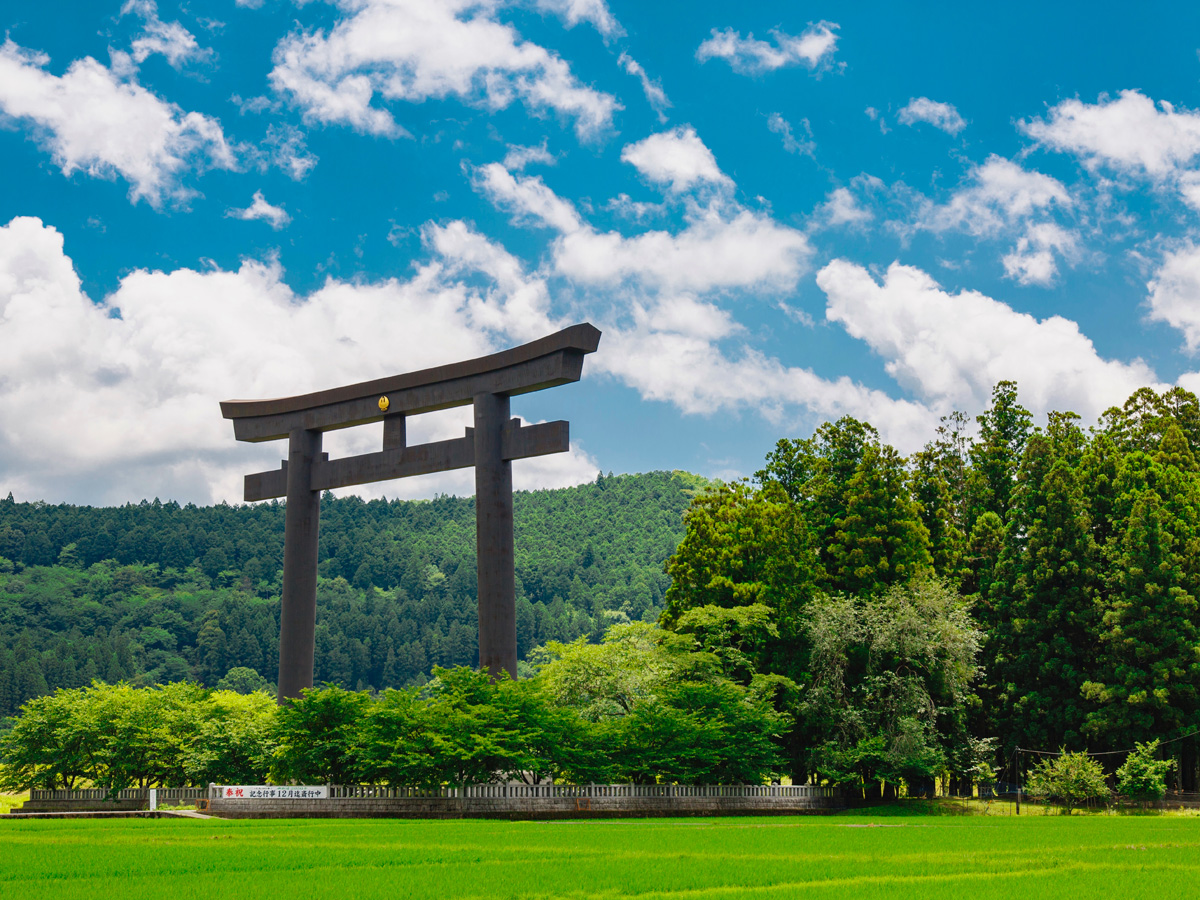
{"x": 302, "y": 527}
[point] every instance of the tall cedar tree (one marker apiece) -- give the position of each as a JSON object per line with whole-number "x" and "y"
{"x": 854, "y": 493}
{"x": 996, "y": 455}
{"x": 1148, "y": 681}
{"x": 1044, "y": 643}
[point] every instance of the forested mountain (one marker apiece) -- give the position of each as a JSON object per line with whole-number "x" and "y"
{"x": 158, "y": 592}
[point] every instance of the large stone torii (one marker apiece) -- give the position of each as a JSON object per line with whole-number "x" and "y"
{"x": 487, "y": 382}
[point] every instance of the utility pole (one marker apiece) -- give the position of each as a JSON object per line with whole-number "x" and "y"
{"x": 1017, "y": 756}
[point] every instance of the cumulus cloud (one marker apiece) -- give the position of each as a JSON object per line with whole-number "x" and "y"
{"x": 1131, "y": 133}
{"x": 413, "y": 50}
{"x": 275, "y": 216}
{"x": 814, "y": 48}
{"x": 722, "y": 245}
{"x": 171, "y": 39}
{"x": 1174, "y": 293}
{"x": 652, "y": 88}
{"x": 715, "y": 251}
{"x": 940, "y": 115}
{"x": 115, "y": 401}
{"x": 93, "y": 120}
{"x": 841, "y": 207}
{"x": 950, "y": 349}
{"x": 1033, "y": 260}
{"x": 677, "y": 159}
{"x": 1000, "y": 198}
{"x": 997, "y": 194}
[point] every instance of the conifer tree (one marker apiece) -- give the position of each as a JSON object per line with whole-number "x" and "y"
{"x": 996, "y": 455}
{"x": 1044, "y": 616}
{"x": 1148, "y": 682}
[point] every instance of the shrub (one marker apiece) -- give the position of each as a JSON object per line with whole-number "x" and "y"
{"x": 1070, "y": 778}
{"x": 1142, "y": 777}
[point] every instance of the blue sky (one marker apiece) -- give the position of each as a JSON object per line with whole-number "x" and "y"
{"x": 777, "y": 213}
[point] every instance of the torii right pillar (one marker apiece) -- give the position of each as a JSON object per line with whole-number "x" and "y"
{"x": 494, "y": 539}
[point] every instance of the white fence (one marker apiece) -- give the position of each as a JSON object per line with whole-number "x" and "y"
{"x": 165, "y": 795}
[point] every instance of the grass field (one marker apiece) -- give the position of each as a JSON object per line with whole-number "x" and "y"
{"x": 837, "y": 856}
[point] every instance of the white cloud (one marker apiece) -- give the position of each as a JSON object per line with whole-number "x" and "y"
{"x": 677, "y": 158}
{"x": 1129, "y": 133}
{"x": 92, "y": 120}
{"x": 691, "y": 372}
{"x": 171, "y": 39}
{"x": 722, "y": 246}
{"x": 276, "y": 216}
{"x": 998, "y": 194}
{"x": 1033, "y": 260}
{"x": 518, "y": 157}
{"x": 1174, "y": 293}
{"x": 940, "y": 115}
{"x": 950, "y": 349}
{"x": 286, "y": 149}
{"x": 814, "y": 49}
{"x": 413, "y": 50}
{"x": 780, "y": 126}
{"x": 528, "y": 198}
{"x": 594, "y": 12}
{"x": 714, "y": 252}
{"x": 843, "y": 208}
{"x": 634, "y": 210}
{"x": 115, "y": 401}
{"x": 1000, "y": 197}
{"x": 652, "y": 88}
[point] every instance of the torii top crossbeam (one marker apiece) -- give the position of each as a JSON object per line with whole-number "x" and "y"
{"x": 496, "y": 440}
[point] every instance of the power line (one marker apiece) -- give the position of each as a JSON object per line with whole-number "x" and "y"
{"x": 1105, "y": 752}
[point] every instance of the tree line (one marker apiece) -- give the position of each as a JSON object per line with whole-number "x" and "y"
{"x": 1048, "y": 580}
{"x": 642, "y": 705}
{"x": 154, "y": 592}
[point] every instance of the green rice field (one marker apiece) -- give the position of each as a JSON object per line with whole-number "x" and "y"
{"x": 827, "y": 856}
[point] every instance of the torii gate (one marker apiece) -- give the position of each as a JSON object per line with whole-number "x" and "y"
{"x": 496, "y": 440}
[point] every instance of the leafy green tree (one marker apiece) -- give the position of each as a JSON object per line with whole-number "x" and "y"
{"x": 939, "y": 487}
{"x": 1143, "y": 776}
{"x": 236, "y": 742}
{"x": 49, "y": 745}
{"x": 243, "y": 680}
{"x": 741, "y": 547}
{"x": 1069, "y": 778}
{"x": 696, "y": 732}
{"x": 741, "y": 637}
{"x": 316, "y": 735}
{"x": 890, "y": 680}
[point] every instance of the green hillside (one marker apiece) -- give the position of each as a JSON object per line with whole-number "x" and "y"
{"x": 157, "y": 592}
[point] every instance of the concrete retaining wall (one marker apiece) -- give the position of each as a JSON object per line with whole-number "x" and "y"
{"x": 546, "y": 802}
